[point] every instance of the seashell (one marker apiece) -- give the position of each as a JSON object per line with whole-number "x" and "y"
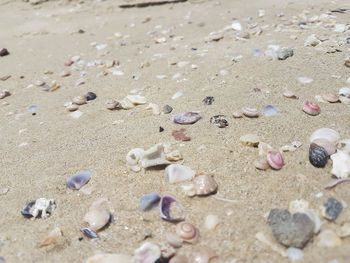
{"x": 90, "y": 96}
{"x": 211, "y": 221}
{"x": 237, "y": 114}
{"x": 41, "y": 207}
{"x": 89, "y": 232}
{"x": 250, "y": 112}
{"x": 176, "y": 173}
{"x": 72, "y": 107}
{"x": 97, "y": 216}
{"x": 187, "y": 232}
{"x": 174, "y": 156}
{"x": 298, "y": 206}
{"x": 347, "y": 62}
{"x": 327, "y": 238}
{"x": 148, "y": 252}
{"x": 318, "y": 156}
{"x": 332, "y": 209}
{"x": 154, "y": 107}
{"x": 311, "y": 108}
{"x": 76, "y": 114}
{"x": 270, "y": 110}
{"x": 173, "y": 240}
{"x": 177, "y": 95}
{"x": 189, "y": 190}
{"x": 180, "y": 135}
{"x": 344, "y": 145}
{"x": 133, "y": 157}
{"x": 109, "y": 258}
{"x": 325, "y": 133}
{"x": 126, "y": 104}
{"x": 39, "y": 83}
{"x": 312, "y": 214}
{"x": 4, "y": 93}
{"x": 290, "y": 94}
{"x": 26, "y": 210}
{"x": 275, "y": 159}
{"x": 167, "y": 109}
{"x": 178, "y": 259}
{"x": 325, "y": 144}
{"x": 65, "y": 73}
{"x": 264, "y": 148}
{"x": 261, "y": 164}
{"x": 52, "y": 239}
{"x": 136, "y": 99}
{"x": 208, "y": 100}
{"x": 250, "y": 140}
{"x": 341, "y": 164}
{"x": 168, "y": 207}
{"x": 203, "y": 255}
{"x": 219, "y": 121}
{"x": 78, "y": 180}
{"x": 344, "y": 230}
{"x": 148, "y": 201}
{"x": 205, "y": 185}
{"x": 113, "y": 105}
{"x": 187, "y": 117}
{"x": 79, "y": 100}
{"x": 330, "y": 97}
{"x": 344, "y": 99}
{"x": 344, "y": 91}
{"x": 154, "y": 156}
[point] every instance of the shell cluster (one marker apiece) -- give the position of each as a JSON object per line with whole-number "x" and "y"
{"x": 80, "y": 100}
{"x": 268, "y": 158}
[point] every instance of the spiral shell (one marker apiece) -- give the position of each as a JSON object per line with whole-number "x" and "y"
{"x": 311, "y": 108}
{"x": 317, "y": 156}
{"x": 187, "y": 232}
{"x": 204, "y": 185}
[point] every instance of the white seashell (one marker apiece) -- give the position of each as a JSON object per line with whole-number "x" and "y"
{"x": 148, "y": 252}
{"x": 330, "y": 97}
{"x": 205, "y": 185}
{"x": 136, "y": 99}
{"x": 327, "y": 238}
{"x": 109, "y": 258}
{"x": 176, "y": 173}
{"x": 344, "y": 230}
{"x": 211, "y": 221}
{"x": 72, "y": 107}
{"x": 133, "y": 157}
{"x": 341, "y": 164}
{"x": 312, "y": 41}
{"x": 298, "y": 206}
{"x": 344, "y": 91}
{"x": 154, "y": 156}
{"x": 325, "y": 133}
{"x": 98, "y": 215}
{"x": 236, "y": 25}
{"x": 174, "y": 156}
{"x": 250, "y": 140}
{"x": 177, "y": 95}
{"x": 264, "y": 148}
{"x": 173, "y": 240}
{"x": 287, "y": 148}
{"x": 154, "y": 107}
{"x": 237, "y": 114}
{"x": 189, "y": 189}
{"x": 126, "y": 104}
{"x": 250, "y": 112}
{"x": 43, "y": 207}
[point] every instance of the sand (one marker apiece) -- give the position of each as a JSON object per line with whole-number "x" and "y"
{"x": 43, "y": 37}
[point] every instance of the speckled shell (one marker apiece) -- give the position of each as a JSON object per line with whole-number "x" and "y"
{"x": 204, "y": 185}
{"x": 187, "y": 232}
{"x": 318, "y": 156}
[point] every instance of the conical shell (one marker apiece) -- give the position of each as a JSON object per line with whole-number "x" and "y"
{"x": 204, "y": 185}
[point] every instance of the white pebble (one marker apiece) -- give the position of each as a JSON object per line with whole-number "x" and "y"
{"x": 211, "y": 221}
{"x": 295, "y": 253}
{"x": 76, "y": 114}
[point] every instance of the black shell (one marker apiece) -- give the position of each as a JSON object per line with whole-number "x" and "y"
{"x": 318, "y": 156}
{"x": 26, "y": 210}
{"x": 91, "y": 96}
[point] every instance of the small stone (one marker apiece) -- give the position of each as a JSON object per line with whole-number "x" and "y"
{"x": 284, "y": 53}
{"x": 4, "y": 52}
{"x": 208, "y": 100}
{"x": 90, "y": 96}
{"x": 167, "y": 109}
{"x": 312, "y": 41}
{"x": 295, "y": 253}
{"x": 180, "y": 135}
{"x": 291, "y": 230}
{"x": 332, "y": 209}
{"x": 250, "y": 140}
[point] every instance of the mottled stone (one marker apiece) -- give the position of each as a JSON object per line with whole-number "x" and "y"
{"x": 332, "y": 208}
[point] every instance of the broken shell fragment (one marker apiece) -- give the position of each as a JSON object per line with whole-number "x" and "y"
{"x": 275, "y": 159}
{"x": 211, "y": 221}
{"x": 154, "y": 156}
{"x": 170, "y": 209}
{"x": 203, "y": 255}
{"x": 26, "y": 210}
{"x": 174, "y": 156}
{"x": 176, "y": 173}
{"x": 126, "y": 104}
{"x": 187, "y": 232}
{"x": 325, "y": 133}
{"x": 72, "y": 107}
{"x": 205, "y": 185}
{"x": 154, "y": 107}
{"x": 41, "y": 207}
{"x": 98, "y": 215}
{"x": 148, "y": 201}
{"x": 318, "y": 156}
{"x": 311, "y": 108}
{"x": 89, "y": 232}
{"x": 78, "y": 180}
{"x": 219, "y": 121}
{"x": 79, "y": 100}
{"x": 250, "y": 112}
{"x": 250, "y": 140}
{"x": 113, "y": 105}
{"x": 148, "y": 252}
{"x": 187, "y": 118}
{"x": 136, "y": 99}
{"x": 133, "y": 157}
{"x": 341, "y": 164}
{"x": 237, "y": 114}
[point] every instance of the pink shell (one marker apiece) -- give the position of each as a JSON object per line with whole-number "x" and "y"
{"x": 275, "y": 159}
{"x": 311, "y": 108}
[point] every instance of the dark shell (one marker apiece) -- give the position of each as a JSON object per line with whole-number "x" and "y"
{"x": 209, "y": 100}
{"x": 317, "y": 156}
{"x": 89, "y": 232}
{"x": 4, "y": 52}
{"x": 168, "y": 203}
{"x": 91, "y": 96}
{"x": 148, "y": 201}
{"x": 187, "y": 117}
{"x": 26, "y": 210}
{"x": 78, "y": 180}
{"x": 219, "y": 120}
{"x": 167, "y": 109}
{"x": 333, "y": 208}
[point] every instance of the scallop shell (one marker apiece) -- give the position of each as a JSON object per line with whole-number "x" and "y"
{"x": 176, "y": 173}
{"x": 173, "y": 240}
{"x": 187, "y": 232}
{"x": 79, "y": 100}
{"x": 167, "y": 207}
{"x": 109, "y": 258}
{"x": 78, "y": 180}
{"x": 97, "y": 216}
{"x": 318, "y": 156}
{"x": 187, "y": 117}
{"x": 275, "y": 159}
{"x": 311, "y": 108}
{"x": 327, "y": 145}
{"x": 154, "y": 156}
{"x": 136, "y": 99}
{"x": 205, "y": 185}
{"x": 330, "y": 97}
{"x": 325, "y": 133}
{"x": 250, "y": 112}
{"x": 178, "y": 259}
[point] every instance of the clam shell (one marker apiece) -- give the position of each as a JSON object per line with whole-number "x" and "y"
{"x": 325, "y": 133}
{"x": 187, "y": 232}
{"x": 90, "y": 96}
{"x": 187, "y": 117}
{"x": 78, "y": 180}
{"x": 26, "y": 210}
{"x": 250, "y": 112}
{"x": 275, "y": 159}
{"x": 98, "y": 216}
{"x": 205, "y": 185}
{"x": 167, "y": 207}
{"x": 148, "y": 201}
{"x": 318, "y": 156}
{"x": 136, "y": 99}
{"x": 330, "y": 97}
{"x": 327, "y": 145}
{"x": 79, "y": 100}
{"x": 311, "y": 108}
{"x": 176, "y": 173}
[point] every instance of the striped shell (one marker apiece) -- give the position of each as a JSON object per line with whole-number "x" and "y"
{"x": 275, "y": 159}
{"x": 250, "y": 112}
{"x": 318, "y": 156}
{"x": 187, "y": 232}
{"x": 311, "y": 108}
{"x": 204, "y": 185}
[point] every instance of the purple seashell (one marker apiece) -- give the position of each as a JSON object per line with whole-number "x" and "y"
{"x": 187, "y": 117}
{"x": 32, "y": 108}
{"x": 148, "y": 201}
{"x": 78, "y": 180}
{"x": 111, "y": 219}
{"x": 166, "y": 203}
{"x": 89, "y": 232}
{"x": 270, "y": 110}
{"x": 26, "y": 210}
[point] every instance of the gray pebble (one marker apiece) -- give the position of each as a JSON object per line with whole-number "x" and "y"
{"x": 291, "y": 230}
{"x": 333, "y": 208}
{"x": 167, "y": 109}
{"x": 284, "y": 53}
